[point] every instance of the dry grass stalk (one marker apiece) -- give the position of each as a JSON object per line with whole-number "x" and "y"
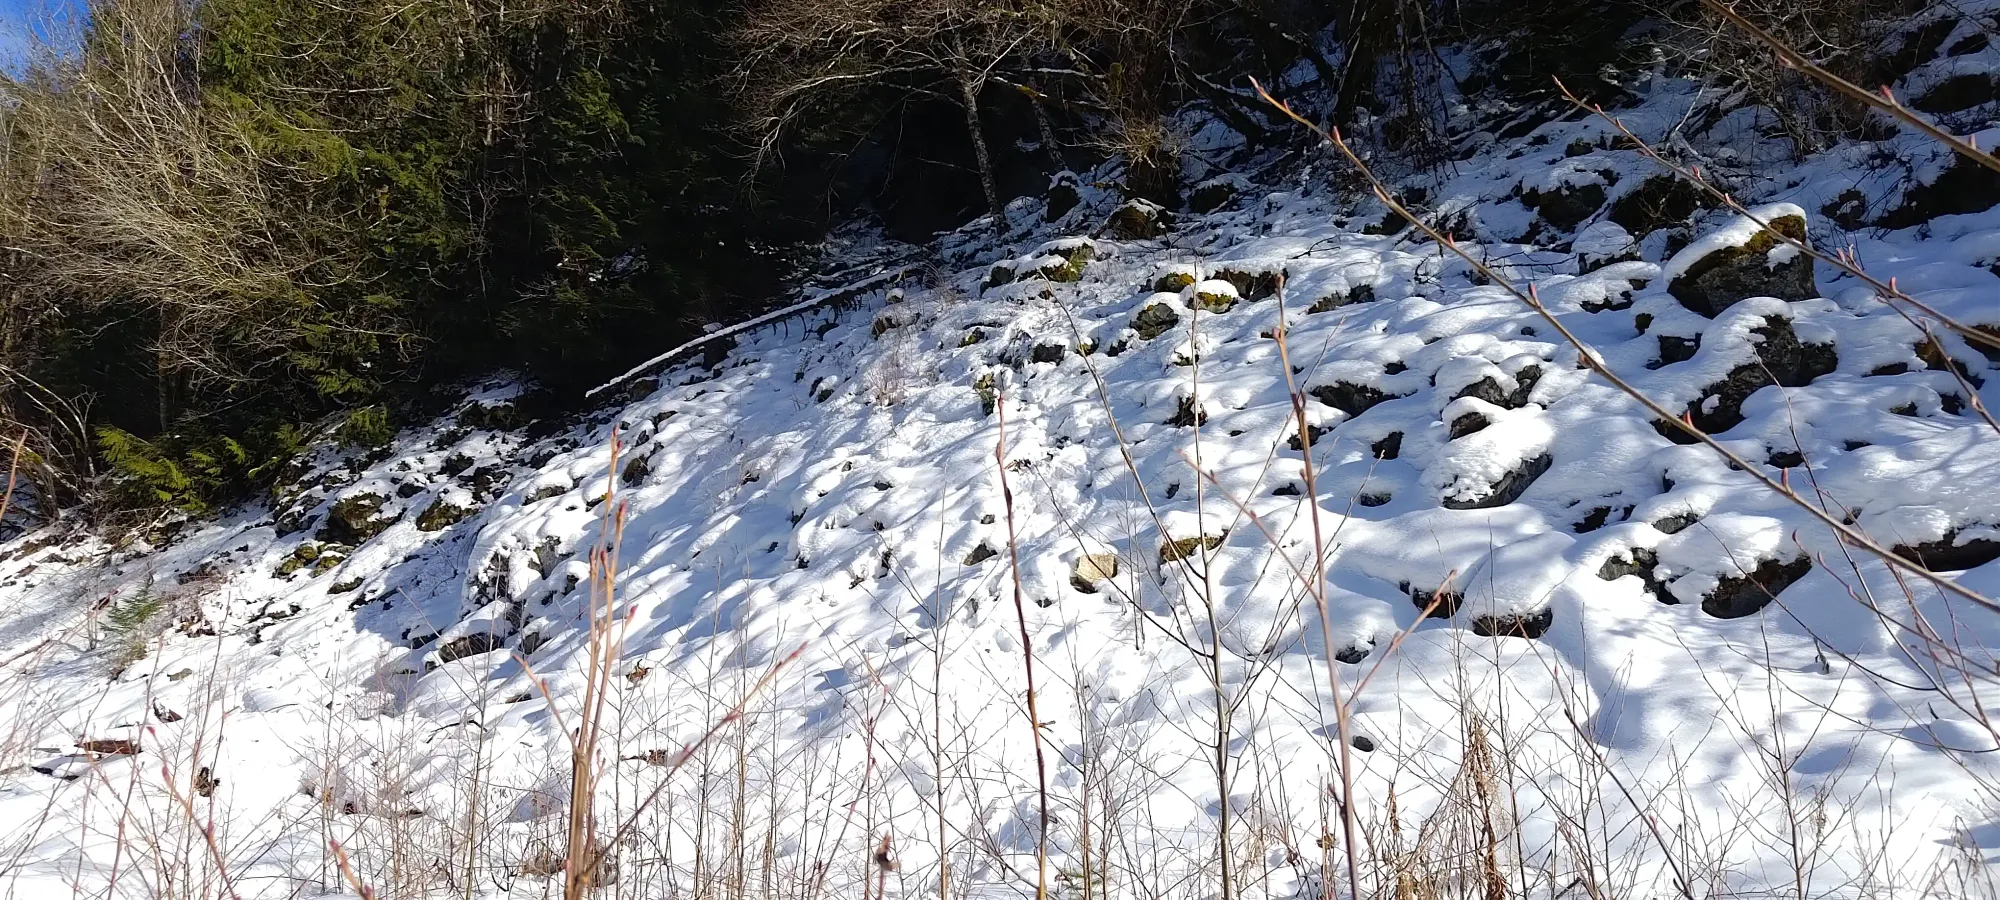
{"x": 1027, "y": 660}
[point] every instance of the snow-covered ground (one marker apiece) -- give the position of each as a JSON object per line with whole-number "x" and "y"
{"x": 391, "y": 658}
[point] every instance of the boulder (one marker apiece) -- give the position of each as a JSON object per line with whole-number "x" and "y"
{"x": 1091, "y": 569}
{"x": 1251, "y": 285}
{"x": 1949, "y": 554}
{"x": 1154, "y": 320}
{"x": 1658, "y": 201}
{"x": 1138, "y": 220}
{"x": 1566, "y": 207}
{"x": 1187, "y": 548}
{"x": 353, "y": 520}
{"x": 442, "y": 514}
{"x": 1742, "y": 260}
{"x": 1062, "y": 195}
{"x": 1360, "y": 293}
{"x": 1601, "y": 244}
{"x": 1213, "y": 295}
{"x": 1782, "y": 359}
{"x": 1352, "y": 399}
{"x": 1507, "y": 489}
{"x": 1523, "y": 625}
{"x": 1188, "y": 414}
{"x": 1965, "y": 186}
{"x": 1744, "y": 595}
{"x": 1214, "y": 193}
{"x": 1959, "y": 92}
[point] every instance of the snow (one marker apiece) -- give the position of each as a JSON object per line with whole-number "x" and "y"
{"x": 837, "y": 488}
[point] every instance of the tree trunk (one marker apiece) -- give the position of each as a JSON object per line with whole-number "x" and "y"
{"x": 970, "y": 92}
{"x": 1047, "y": 128}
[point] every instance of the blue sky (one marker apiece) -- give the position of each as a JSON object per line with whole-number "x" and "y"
{"x": 18, "y": 16}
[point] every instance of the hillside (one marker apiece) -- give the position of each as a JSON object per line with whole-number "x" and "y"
{"x": 1646, "y": 674}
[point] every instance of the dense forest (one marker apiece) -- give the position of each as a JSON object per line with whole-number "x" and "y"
{"x": 228, "y": 227}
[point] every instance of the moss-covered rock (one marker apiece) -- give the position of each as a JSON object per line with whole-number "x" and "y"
{"x": 353, "y": 520}
{"x": 988, "y": 393}
{"x": 1138, "y": 220}
{"x": 310, "y": 556}
{"x": 1173, "y": 281}
{"x": 442, "y": 514}
{"x": 1719, "y": 277}
{"x": 1187, "y": 548}
{"x": 1074, "y": 258}
{"x": 1360, "y": 293}
{"x": 1213, "y": 296}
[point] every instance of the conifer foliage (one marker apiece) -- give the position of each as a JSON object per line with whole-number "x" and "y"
{"x": 226, "y": 219}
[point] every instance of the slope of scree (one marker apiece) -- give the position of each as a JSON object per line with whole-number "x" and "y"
{"x": 831, "y": 483}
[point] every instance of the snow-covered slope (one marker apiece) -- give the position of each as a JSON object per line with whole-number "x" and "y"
{"x": 1611, "y": 674}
